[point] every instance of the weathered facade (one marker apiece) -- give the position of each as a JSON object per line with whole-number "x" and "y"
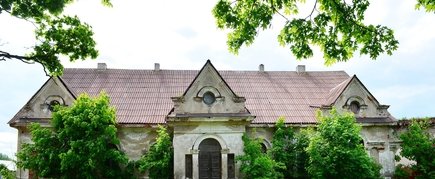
{"x": 208, "y": 110}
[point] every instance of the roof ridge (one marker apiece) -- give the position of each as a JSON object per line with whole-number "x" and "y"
{"x": 271, "y": 71}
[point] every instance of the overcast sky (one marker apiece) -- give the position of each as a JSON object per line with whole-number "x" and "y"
{"x": 135, "y": 34}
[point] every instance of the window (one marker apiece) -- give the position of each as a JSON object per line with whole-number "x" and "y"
{"x": 189, "y": 165}
{"x": 52, "y": 101}
{"x": 263, "y": 148}
{"x": 231, "y": 166}
{"x": 209, "y": 98}
{"x": 354, "y": 107}
{"x": 52, "y": 104}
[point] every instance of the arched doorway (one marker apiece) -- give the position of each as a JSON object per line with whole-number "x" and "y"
{"x": 210, "y": 159}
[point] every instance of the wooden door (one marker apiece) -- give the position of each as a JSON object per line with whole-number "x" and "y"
{"x": 210, "y": 159}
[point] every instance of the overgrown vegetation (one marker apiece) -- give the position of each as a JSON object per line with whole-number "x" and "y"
{"x": 158, "y": 161}
{"x": 81, "y": 143}
{"x": 418, "y": 145}
{"x": 333, "y": 150}
{"x": 6, "y": 173}
{"x": 336, "y": 151}
{"x": 288, "y": 149}
{"x": 255, "y": 164}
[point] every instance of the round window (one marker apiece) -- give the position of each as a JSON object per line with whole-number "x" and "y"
{"x": 52, "y": 104}
{"x": 208, "y": 98}
{"x": 354, "y": 107}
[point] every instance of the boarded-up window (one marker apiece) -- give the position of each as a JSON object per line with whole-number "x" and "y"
{"x": 231, "y": 166}
{"x": 189, "y": 166}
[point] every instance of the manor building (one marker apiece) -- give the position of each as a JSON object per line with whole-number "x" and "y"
{"x": 209, "y": 110}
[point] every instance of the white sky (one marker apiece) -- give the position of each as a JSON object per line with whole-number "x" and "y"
{"x": 183, "y": 35}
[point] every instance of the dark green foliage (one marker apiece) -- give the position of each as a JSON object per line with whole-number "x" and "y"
{"x": 43, "y": 155}
{"x": 301, "y": 162}
{"x": 419, "y": 146}
{"x": 335, "y": 26}
{"x": 56, "y": 34}
{"x": 6, "y": 173}
{"x": 255, "y": 164}
{"x": 288, "y": 149}
{"x": 335, "y": 149}
{"x": 158, "y": 161}
{"x": 81, "y": 144}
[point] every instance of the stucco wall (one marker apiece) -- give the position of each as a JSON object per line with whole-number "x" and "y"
{"x": 187, "y": 138}
{"x": 23, "y": 137}
{"x": 135, "y": 141}
{"x": 382, "y": 145}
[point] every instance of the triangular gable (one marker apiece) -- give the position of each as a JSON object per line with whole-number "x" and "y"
{"x": 53, "y": 89}
{"x": 337, "y": 91}
{"x": 209, "y": 81}
{"x": 208, "y": 66}
{"x": 352, "y": 95}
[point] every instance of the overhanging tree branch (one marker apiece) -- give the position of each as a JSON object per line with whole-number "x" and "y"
{"x": 25, "y": 59}
{"x": 5, "y": 55}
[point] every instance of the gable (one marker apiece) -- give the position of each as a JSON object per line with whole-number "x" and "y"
{"x": 38, "y": 108}
{"x": 208, "y": 93}
{"x": 354, "y": 96}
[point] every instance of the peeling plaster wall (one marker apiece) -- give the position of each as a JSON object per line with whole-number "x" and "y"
{"x": 381, "y": 144}
{"x": 23, "y": 138}
{"x": 135, "y": 141}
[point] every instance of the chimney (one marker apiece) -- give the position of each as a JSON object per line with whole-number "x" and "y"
{"x": 101, "y": 66}
{"x": 261, "y": 68}
{"x": 156, "y": 66}
{"x": 300, "y": 69}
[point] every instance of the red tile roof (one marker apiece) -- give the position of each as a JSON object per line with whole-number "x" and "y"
{"x": 144, "y": 96}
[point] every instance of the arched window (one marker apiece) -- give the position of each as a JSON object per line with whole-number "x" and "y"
{"x": 52, "y": 104}
{"x": 263, "y": 148}
{"x": 354, "y": 107}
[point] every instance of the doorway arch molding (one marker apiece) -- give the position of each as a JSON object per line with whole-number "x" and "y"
{"x": 221, "y": 141}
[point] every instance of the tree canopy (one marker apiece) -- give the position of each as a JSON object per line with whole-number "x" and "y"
{"x": 56, "y": 34}
{"x": 81, "y": 143}
{"x": 336, "y": 151}
{"x": 335, "y": 26}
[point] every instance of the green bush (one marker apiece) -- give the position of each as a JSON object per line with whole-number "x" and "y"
{"x": 255, "y": 164}
{"x": 418, "y": 145}
{"x": 159, "y": 159}
{"x": 335, "y": 149}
